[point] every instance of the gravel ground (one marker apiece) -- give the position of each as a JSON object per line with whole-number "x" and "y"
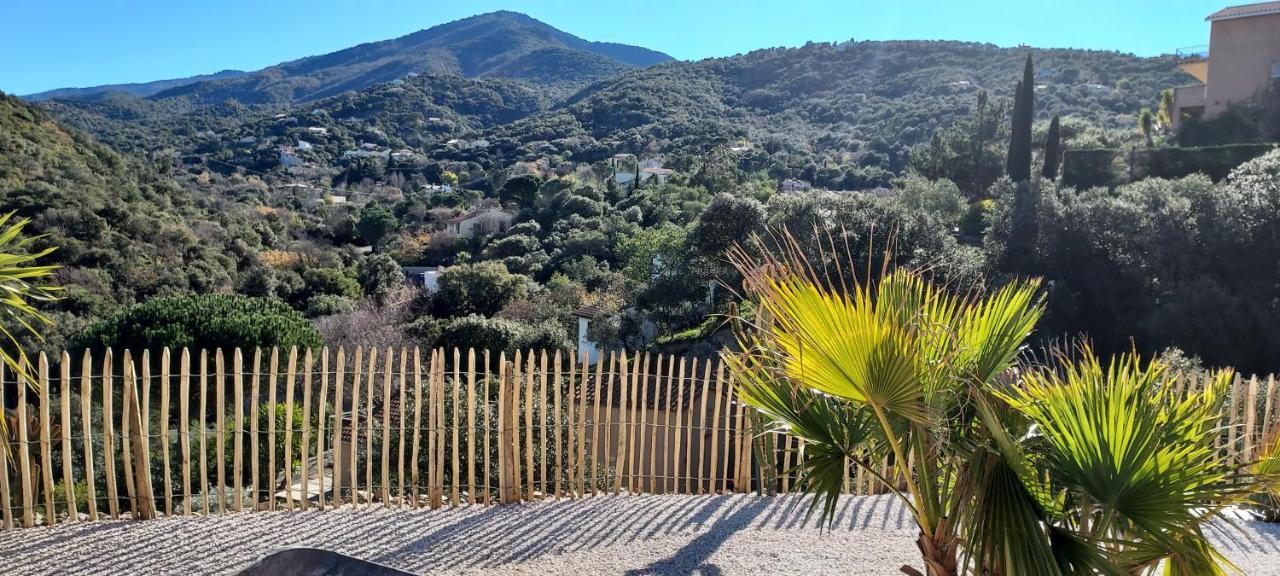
{"x": 634, "y": 535}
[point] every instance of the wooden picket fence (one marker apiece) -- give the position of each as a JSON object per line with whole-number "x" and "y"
{"x": 207, "y": 432}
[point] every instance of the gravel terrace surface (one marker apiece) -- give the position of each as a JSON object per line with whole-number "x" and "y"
{"x": 631, "y": 535}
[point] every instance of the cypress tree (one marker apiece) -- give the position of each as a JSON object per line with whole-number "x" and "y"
{"x": 1015, "y": 129}
{"x": 1052, "y": 150}
{"x": 1019, "y": 162}
{"x": 1020, "y": 250}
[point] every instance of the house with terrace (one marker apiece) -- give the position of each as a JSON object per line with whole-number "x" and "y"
{"x": 1241, "y": 59}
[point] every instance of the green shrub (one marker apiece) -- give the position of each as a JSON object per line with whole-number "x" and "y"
{"x": 939, "y": 198}
{"x": 496, "y": 334}
{"x": 332, "y": 281}
{"x": 379, "y": 275}
{"x": 1083, "y": 169}
{"x": 328, "y": 305}
{"x": 474, "y": 331}
{"x": 546, "y": 335}
{"x": 201, "y": 321}
{"x": 425, "y": 330}
{"x": 482, "y": 288}
{"x": 1216, "y": 162}
{"x": 977, "y": 218}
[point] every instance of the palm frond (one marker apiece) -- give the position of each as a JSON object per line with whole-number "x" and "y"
{"x": 20, "y": 290}
{"x": 836, "y": 434}
{"x": 1142, "y": 460}
{"x": 839, "y": 344}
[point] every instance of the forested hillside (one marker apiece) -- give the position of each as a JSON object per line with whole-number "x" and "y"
{"x": 138, "y": 126}
{"x": 853, "y": 106}
{"x": 417, "y": 113}
{"x": 123, "y": 232}
{"x": 127, "y": 231}
{"x": 840, "y": 116}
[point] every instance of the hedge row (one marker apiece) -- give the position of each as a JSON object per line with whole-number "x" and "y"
{"x": 1111, "y": 167}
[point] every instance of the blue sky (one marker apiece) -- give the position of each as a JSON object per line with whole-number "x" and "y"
{"x": 59, "y": 43}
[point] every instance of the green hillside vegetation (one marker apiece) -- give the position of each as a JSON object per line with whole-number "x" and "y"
{"x": 834, "y": 114}
{"x": 420, "y": 112}
{"x": 123, "y": 231}
{"x": 840, "y": 116}
{"x": 138, "y": 126}
{"x": 127, "y": 231}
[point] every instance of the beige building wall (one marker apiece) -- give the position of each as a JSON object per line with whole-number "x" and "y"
{"x": 1241, "y": 54}
{"x": 486, "y": 223}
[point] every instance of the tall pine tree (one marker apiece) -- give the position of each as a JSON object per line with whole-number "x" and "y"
{"x": 1052, "y": 150}
{"x": 1019, "y": 164}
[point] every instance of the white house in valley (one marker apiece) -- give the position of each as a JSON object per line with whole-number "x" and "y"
{"x": 425, "y": 277}
{"x": 487, "y": 219}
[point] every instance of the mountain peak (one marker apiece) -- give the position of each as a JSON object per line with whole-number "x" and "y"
{"x": 502, "y": 44}
{"x": 509, "y": 14}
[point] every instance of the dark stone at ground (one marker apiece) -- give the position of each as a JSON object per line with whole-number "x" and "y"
{"x": 316, "y": 562}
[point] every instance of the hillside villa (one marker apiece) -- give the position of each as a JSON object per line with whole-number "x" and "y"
{"x": 485, "y": 219}
{"x": 1242, "y": 57}
{"x": 626, "y": 166}
{"x": 791, "y": 185}
{"x": 288, "y": 156}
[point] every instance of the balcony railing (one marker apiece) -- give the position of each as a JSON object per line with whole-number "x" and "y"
{"x": 1192, "y": 54}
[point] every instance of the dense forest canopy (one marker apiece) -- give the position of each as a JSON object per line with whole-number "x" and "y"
{"x": 855, "y": 104}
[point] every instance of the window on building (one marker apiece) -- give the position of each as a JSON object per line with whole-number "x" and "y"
{"x": 1275, "y": 69}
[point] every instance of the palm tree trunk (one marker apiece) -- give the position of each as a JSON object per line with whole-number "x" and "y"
{"x": 939, "y": 552}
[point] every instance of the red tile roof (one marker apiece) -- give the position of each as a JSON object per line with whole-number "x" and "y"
{"x": 1245, "y": 11}
{"x": 467, "y": 215}
{"x": 589, "y": 311}
{"x": 475, "y": 212}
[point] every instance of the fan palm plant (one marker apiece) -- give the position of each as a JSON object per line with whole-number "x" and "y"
{"x": 1082, "y": 470}
{"x": 1266, "y": 502}
{"x": 22, "y": 287}
{"x": 1131, "y": 460}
